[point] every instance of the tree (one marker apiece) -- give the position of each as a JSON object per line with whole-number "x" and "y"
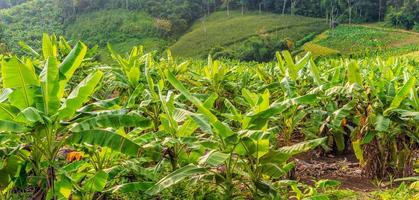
{"x": 283, "y": 7}
{"x": 350, "y": 10}
{"x": 227, "y": 5}
{"x": 243, "y": 3}
{"x": 293, "y": 5}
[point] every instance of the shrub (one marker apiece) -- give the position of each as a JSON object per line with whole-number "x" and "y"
{"x": 416, "y": 27}
{"x": 253, "y": 49}
{"x": 406, "y": 17}
{"x": 164, "y": 26}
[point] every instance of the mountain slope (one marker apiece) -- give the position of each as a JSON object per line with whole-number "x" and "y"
{"x": 28, "y": 21}
{"x": 364, "y": 40}
{"x": 229, "y": 31}
{"x": 121, "y": 28}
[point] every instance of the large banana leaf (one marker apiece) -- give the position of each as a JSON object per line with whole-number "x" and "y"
{"x": 21, "y": 78}
{"x": 70, "y": 65}
{"x": 175, "y": 177}
{"x": 79, "y": 95}
{"x": 302, "y": 146}
{"x": 214, "y": 158}
{"x": 96, "y": 183}
{"x": 50, "y": 87}
{"x": 112, "y": 121}
{"x": 131, "y": 187}
{"x": 30, "y": 116}
{"x": 49, "y": 49}
{"x": 7, "y": 111}
{"x": 172, "y": 79}
{"x": 288, "y": 86}
{"x": 26, "y": 48}
{"x": 223, "y": 130}
{"x": 281, "y": 155}
{"x": 314, "y": 72}
{"x": 402, "y": 94}
{"x": 10, "y": 126}
{"x": 104, "y": 138}
{"x": 354, "y": 73}
{"x": 336, "y": 122}
{"x": 259, "y": 120}
{"x": 5, "y": 94}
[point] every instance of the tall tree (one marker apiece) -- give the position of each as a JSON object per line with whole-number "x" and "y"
{"x": 227, "y": 5}
{"x": 350, "y": 11}
{"x": 284, "y": 6}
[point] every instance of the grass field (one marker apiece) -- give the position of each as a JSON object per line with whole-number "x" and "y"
{"x": 361, "y": 40}
{"x": 222, "y": 30}
{"x": 413, "y": 55}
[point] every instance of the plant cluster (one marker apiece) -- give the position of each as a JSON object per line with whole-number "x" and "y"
{"x": 405, "y": 17}
{"x": 367, "y": 41}
{"x": 192, "y": 130}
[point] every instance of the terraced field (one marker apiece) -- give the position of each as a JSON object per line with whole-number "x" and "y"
{"x": 364, "y": 40}
{"x": 221, "y": 30}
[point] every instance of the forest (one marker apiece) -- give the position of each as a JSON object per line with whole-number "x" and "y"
{"x": 209, "y": 99}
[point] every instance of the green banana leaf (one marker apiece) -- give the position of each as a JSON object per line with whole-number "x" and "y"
{"x": 70, "y": 64}
{"x": 79, "y": 95}
{"x": 48, "y": 48}
{"x": 50, "y": 86}
{"x": 112, "y": 121}
{"x": 10, "y": 126}
{"x": 131, "y": 187}
{"x": 259, "y": 120}
{"x": 175, "y": 177}
{"x": 21, "y": 78}
{"x": 402, "y": 94}
{"x": 222, "y": 129}
{"x": 96, "y": 183}
{"x": 104, "y": 138}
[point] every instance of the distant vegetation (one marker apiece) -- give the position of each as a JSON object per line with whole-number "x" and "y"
{"x": 237, "y": 29}
{"x": 354, "y": 40}
{"x": 147, "y": 22}
{"x": 27, "y": 22}
{"x": 245, "y": 36}
{"x": 119, "y": 27}
{"x": 10, "y": 3}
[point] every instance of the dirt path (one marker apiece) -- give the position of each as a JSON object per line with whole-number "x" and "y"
{"x": 343, "y": 168}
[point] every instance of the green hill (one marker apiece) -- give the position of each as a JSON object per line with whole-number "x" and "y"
{"x": 230, "y": 31}
{"x": 27, "y": 22}
{"x": 119, "y": 27}
{"x": 364, "y": 40}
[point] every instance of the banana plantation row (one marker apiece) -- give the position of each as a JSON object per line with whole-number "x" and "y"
{"x": 150, "y": 126}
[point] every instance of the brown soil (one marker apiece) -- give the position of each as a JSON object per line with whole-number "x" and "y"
{"x": 314, "y": 166}
{"x": 343, "y": 168}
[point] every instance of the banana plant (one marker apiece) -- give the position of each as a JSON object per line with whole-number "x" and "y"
{"x": 238, "y": 156}
{"x": 129, "y": 73}
{"x": 36, "y": 106}
{"x": 389, "y": 133}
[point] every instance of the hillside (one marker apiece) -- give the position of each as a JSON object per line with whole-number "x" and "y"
{"x": 364, "y": 40}
{"x": 119, "y": 27}
{"x": 232, "y": 31}
{"x": 27, "y": 21}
